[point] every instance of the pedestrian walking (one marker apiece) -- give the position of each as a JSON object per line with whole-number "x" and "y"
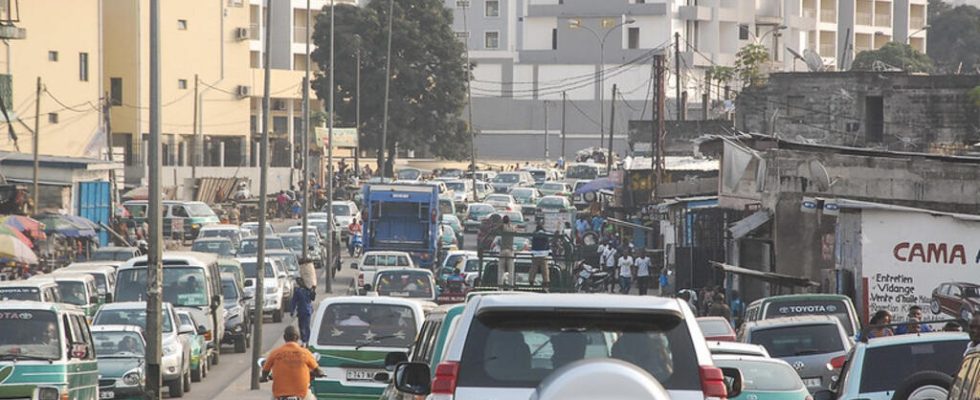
{"x": 282, "y": 199}
{"x": 297, "y": 208}
{"x": 540, "y": 252}
{"x": 738, "y": 308}
{"x": 685, "y": 295}
{"x": 643, "y": 275}
{"x": 302, "y": 305}
{"x": 610, "y": 265}
{"x": 625, "y": 272}
{"x": 719, "y": 308}
{"x": 506, "y": 254}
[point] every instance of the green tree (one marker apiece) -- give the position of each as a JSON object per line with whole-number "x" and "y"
{"x": 428, "y": 74}
{"x": 893, "y": 54}
{"x": 748, "y": 64}
{"x": 954, "y": 37}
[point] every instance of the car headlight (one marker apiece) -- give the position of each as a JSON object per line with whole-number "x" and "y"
{"x": 132, "y": 378}
{"x": 171, "y": 349}
{"x": 48, "y": 393}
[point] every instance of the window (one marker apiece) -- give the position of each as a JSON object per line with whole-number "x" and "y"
{"x": 52, "y": 118}
{"x": 462, "y": 35}
{"x": 182, "y": 24}
{"x": 554, "y": 39}
{"x": 116, "y": 91}
{"x": 53, "y": 56}
{"x": 492, "y": 8}
{"x": 83, "y": 67}
{"x": 634, "y": 38}
{"x": 280, "y": 124}
{"x": 491, "y": 40}
{"x": 182, "y": 84}
{"x": 743, "y": 32}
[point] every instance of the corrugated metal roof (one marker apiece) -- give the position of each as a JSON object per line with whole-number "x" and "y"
{"x": 12, "y": 158}
{"x": 675, "y": 163}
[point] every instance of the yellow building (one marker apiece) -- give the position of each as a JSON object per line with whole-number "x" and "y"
{"x": 62, "y": 46}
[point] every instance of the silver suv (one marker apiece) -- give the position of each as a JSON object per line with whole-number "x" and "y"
{"x": 808, "y": 343}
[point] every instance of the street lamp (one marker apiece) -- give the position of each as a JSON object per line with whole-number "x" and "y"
{"x": 576, "y": 24}
{"x": 908, "y": 38}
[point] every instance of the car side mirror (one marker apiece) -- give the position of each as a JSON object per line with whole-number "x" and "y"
{"x": 394, "y": 358}
{"x": 413, "y": 378}
{"x": 824, "y": 395}
{"x": 201, "y": 329}
{"x": 733, "y": 381}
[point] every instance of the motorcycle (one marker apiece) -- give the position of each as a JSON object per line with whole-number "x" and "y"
{"x": 590, "y": 279}
{"x": 313, "y": 375}
{"x": 357, "y": 246}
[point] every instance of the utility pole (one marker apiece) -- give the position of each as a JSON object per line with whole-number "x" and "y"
{"x": 357, "y": 108}
{"x": 36, "y": 141}
{"x": 107, "y": 127}
{"x": 612, "y": 121}
{"x": 305, "y": 254}
{"x": 563, "y": 101}
{"x": 469, "y": 102}
{"x": 328, "y": 287}
{"x": 546, "y": 155}
{"x": 706, "y": 96}
{"x": 154, "y": 266}
{"x": 659, "y": 126}
{"x": 197, "y": 131}
{"x": 384, "y": 123}
{"x": 263, "y": 202}
{"x": 677, "y": 68}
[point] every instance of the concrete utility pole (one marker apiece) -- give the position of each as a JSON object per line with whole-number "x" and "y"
{"x": 306, "y": 144}
{"x": 469, "y": 100}
{"x": 612, "y": 121}
{"x": 197, "y": 131}
{"x": 384, "y": 123}
{"x": 357, "y": 106}
{"x": 36, "y": 140}
{"x": 263, "y": 202}
{"x": 659, "y": 126}
{"x": 563, "y": 101}
{"x": 546, "y": 155}
{"x": 677, "y": 69}
{"x": 154, "y": 266}
{"x": 107, "y": 127}
{"x": 328, "y": 287}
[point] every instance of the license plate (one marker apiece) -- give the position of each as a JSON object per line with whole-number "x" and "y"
{"x": 811, "y": 382}
{"x": 361, "y": 374}
{"x": 107, "y": 395}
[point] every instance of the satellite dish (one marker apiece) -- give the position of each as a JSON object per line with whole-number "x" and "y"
{"x": 813, "y": 60}
{"x": 818, "y": 173}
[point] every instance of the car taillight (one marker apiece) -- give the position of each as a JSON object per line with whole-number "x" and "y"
{"x": 360, "y": 279}
{"x": 713, "y": 383}
{"x": 444, "y": 382}
{"x": 836, "y": 362}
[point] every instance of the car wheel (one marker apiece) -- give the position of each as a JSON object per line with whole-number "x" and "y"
{"x": 205, "y": 370}
{"x": 277, "y": 316}
{"x": 197, "y": 375}
{"x": 934, "y": 306}
{"x": 187, "y": 381}
{"x": 240, "y": 344}
{"x": 216, "y": 356}
{"x": 176, "y": 387}
{"x": 925, "y": 385}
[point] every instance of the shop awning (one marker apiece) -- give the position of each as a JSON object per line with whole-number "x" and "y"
{"x": 771, "y": 277}
{"x": 627, "y": 224}
{"x": 748, "y": 224}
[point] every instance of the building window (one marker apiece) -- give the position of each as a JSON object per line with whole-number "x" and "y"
{"x": 491, "y": 40}
{"x": 743, "y": 32}
{"x": 492, "y": 8}
{"x": 280, "y": 124}
{"x": 182, "y": 84}
{"x": 116, "y": 91}
{"x": 554, "y": 39}
{"x": 52, "y": 118}
{"x": 83, "y": 67}
{"x": 633, "y": 38}
{"x": 52, "y": 55}
{"x": 462, "y": 35}
{"x": 182, "y": 24}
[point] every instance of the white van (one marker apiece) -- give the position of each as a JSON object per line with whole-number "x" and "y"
{"x": 373, "y": 261}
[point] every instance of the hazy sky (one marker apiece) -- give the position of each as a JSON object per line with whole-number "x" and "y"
{"x": 975, "y": 3}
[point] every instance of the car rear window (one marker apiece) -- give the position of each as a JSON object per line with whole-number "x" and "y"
{"x": 715, "y": 327}
{"x": 799, "y": 340}
{"x": 885, "y": 368}
{"x": 411, "y": 284}
{"x": 764, "y": 375}
{"x": 509, "y": 349}
{"x": 368, "y": 325}
{"x": 835, "y": 308}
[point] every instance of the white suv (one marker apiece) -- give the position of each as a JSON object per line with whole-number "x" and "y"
{"x": 505, "y": 346}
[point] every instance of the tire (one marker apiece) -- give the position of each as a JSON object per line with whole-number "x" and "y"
{"x": 206, "y": 370}
{"x": 187, "y": 381}
{"x": 240, "y": 344}
{"x": 277, "y": 316}
{"x": 176, "y": 387}
{"x": 925, "y": 385}
{"x": 196, "y": 376}
{"x": 934, "y": 307}
{"x": 216, "y": 355}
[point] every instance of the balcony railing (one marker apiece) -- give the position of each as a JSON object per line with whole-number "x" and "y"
{"x": 883, "y": 20}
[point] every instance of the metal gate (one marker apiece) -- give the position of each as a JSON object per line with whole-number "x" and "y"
{"x": 95, "y": 204}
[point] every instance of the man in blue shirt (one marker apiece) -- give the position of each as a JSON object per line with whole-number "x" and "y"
{"x": 302, "y": 305}
{"x": 914, "y": 316}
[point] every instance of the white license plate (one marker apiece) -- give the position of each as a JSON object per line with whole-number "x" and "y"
{"x": 811, "y": 382}
{"x": 361, "y": 374}
{"x": 107, "y": 395}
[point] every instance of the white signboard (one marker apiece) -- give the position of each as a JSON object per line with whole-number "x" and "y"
{"x": 911, "y": 258}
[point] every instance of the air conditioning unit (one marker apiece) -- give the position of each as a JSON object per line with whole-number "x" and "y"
{"x": 279, "y": 105}
{"x": 243, "y": 91}
{"x": 241, "y": 33}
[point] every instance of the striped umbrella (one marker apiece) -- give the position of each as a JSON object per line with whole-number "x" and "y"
{"x": 12, "y": 249}
{"x": 23, "y": 224}
{"x": 8, "y": 231}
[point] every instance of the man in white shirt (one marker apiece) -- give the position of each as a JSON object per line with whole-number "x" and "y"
{"x": 625, "y": 272}
{"x": 610, "y": 265}
{"x": 642, "y": 272}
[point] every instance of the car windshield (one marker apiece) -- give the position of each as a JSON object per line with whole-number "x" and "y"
{"x": 520, "y": 349}
{"x": 409, "y": 174}
{"x": 73, "y": 292}
{"x": 412, "y": 284}
{"x": 289, "y": 260}
{"x": 506, "y": 178}
{"x": 229, "y": 290}
{"x": 251, "y": 245}
{"x": 764, "y": 376}
{"x": 111, "y": 255}
{"x": 798, "y": 340}
{"x": 715, "y": 327}
{"x": 480, "y": 209}
{"x": 219, "y": 247}
{"x": 118, "y": 344}
{"x": 538, "y": 174}
{"x": 29, "y": 334}
{"x": 211, "y": 233}
{"x": 836, "y": 308}
{"x": 369, "y": 325}
{"x": 20, "y": 293}
{"x": 456, "y": 186}
{"x": 182, "y": 286}
{"x": 551, "y": 202}
{"x": 249, "y": 269}
{"x": 472, "y": 265}
{"x": 582, "y": 172}
{"x": 522, "y": 193}
{"x": 499, "y": 198}
{"x": 885, "y": 368}
{"x": 136, "y": 316}
{"x": 199, "y": 210}
{"x": 552, "y": 186}
{"x": 342, "y": 210}
{"x": 295, "y": 242}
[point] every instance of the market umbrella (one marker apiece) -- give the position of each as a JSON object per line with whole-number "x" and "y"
{"x": 8, "y": 231}
{"x": 25, "y": 224}
{"x": 12, "y": 249}
{"x": 596, "y": 185}
{"x": 139, "y": 193}
{"x": 56, "y": 223}
{"x": 82, "y": 221}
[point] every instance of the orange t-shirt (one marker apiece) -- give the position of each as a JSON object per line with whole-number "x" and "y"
{"x": 290, "y": 365}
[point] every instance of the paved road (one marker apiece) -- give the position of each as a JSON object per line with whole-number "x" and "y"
{"x": 230, "y": 379}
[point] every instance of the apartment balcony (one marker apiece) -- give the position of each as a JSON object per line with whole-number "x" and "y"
{"x": 828, "y": 15}
{"x": 694, "y": 13}
{"x": 810, "y": 13}
{"x": 863, "y": 18}
{"x": 828, "y": 50}
{"x": 883, "y": 20}
{"x": 254, "y": 32}
{"x": 9, "y": 16}
{"x": 917, "y": 22}
{"x": 300, "y": 35}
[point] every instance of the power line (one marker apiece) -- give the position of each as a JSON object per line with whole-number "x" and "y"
{"x": 575, "y": 106}
{"x": 67, "y": 107}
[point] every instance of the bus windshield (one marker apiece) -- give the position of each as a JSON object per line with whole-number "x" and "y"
{"x": 182, "y": 286}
